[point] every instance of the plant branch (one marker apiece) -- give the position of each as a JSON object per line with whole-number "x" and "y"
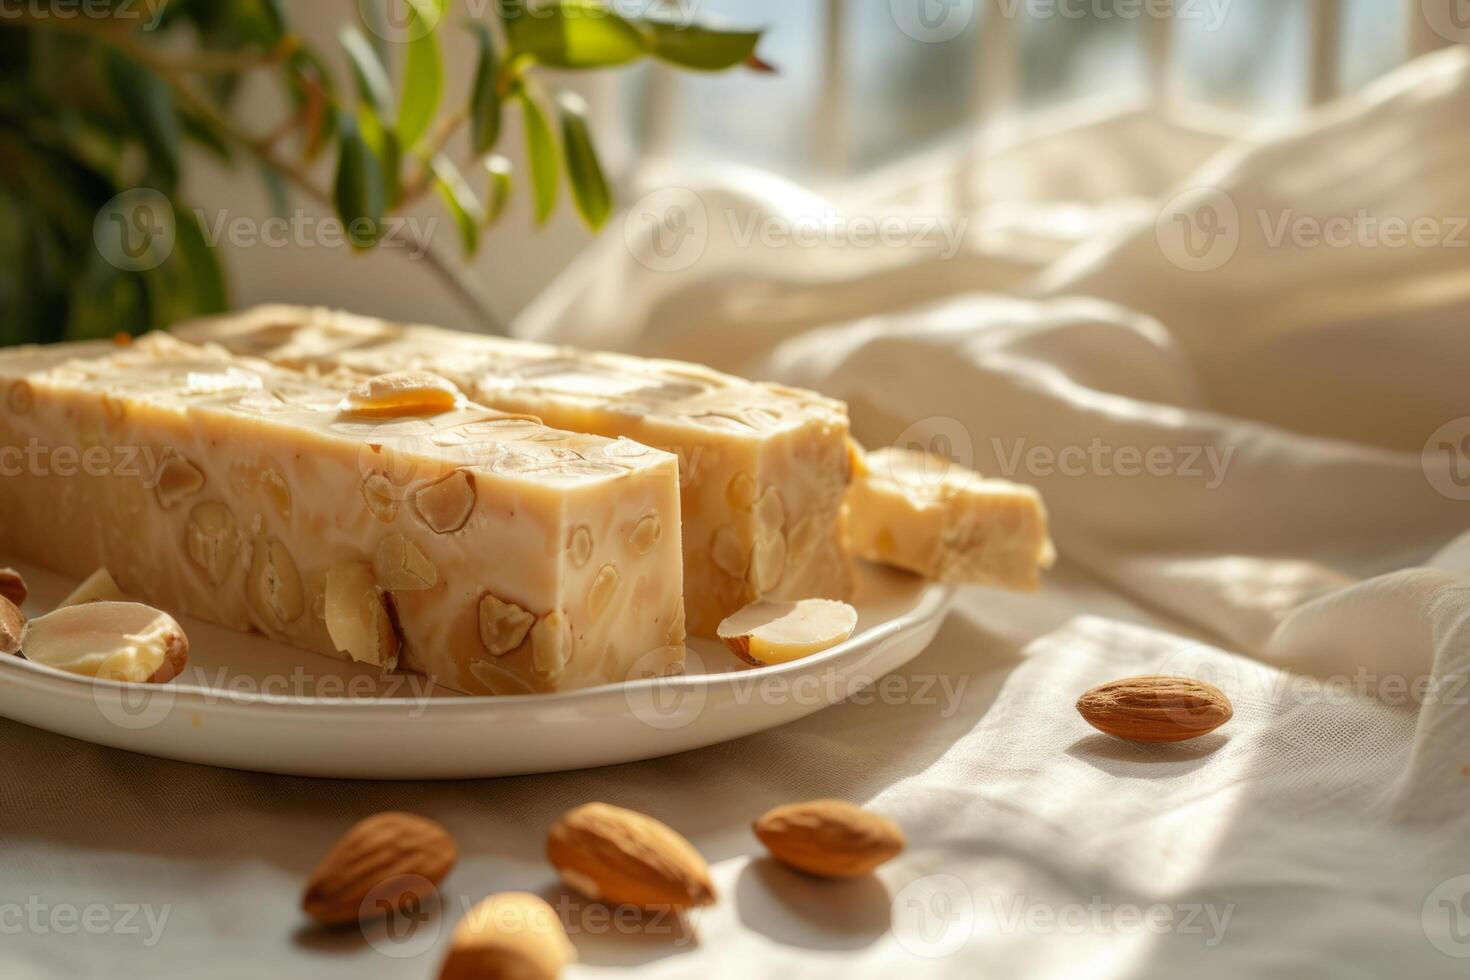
{"x": 174, "y": 71}
{"x": 417, "y": 184}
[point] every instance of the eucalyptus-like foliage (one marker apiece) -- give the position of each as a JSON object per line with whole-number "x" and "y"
{"x": 98, "y": 104}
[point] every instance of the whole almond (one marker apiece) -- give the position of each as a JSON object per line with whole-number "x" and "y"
{"x": 13, "y": 586}
{"x": 12, "y": 625}
{"x": 829, "y": 838}
{"x": 1155, "y": 709}
{"x": 512, "y": 934}
{"x": 621, "y": 857}
{"x": 387, "y": 862}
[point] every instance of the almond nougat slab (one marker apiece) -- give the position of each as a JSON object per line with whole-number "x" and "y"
{"x": 489, "y": 551}
{"x": 763, "y": 467}
{"x": 922, "y": 513}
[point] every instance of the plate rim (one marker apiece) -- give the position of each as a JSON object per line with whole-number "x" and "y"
{"x": 933, "y": 599}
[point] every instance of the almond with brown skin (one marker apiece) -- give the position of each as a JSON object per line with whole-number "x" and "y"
{"x": 621, "y": 857}
{"x": 13, "y": 586}
{"x": 394, "y": 859}
{"x": 829, "y": 838}
{"x": 1155, "y": 709}
{"x": 12, "y": 625}
{"x": 509, "y": 935}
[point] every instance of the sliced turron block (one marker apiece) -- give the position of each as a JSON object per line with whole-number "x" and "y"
{"x": 923, "y": 513}
{"x": 763, "y": 467}
{"x": 392, "y": 522}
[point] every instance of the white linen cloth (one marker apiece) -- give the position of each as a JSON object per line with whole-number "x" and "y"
{"x": 1255, "y": 456}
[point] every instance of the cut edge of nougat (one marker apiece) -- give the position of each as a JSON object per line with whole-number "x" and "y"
{"x": 992, "y": 531}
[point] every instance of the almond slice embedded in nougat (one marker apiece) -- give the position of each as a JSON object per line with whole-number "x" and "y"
{"x": 923, "y": 513}
{"x": 374, "y": 537}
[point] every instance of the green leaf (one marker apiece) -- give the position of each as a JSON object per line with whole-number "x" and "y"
{"x": 540, "y": 156}
{"x": 423, "y": 72}
{"x": 201, "y": 270}
{"x": 275, "y": 15}
{"x": 373, "y": 86}
{"x": 204, "y": 132}
{"x": 497, "y": 194}
{"x": 275, "y": 186}
{"x": 384, "y": 144}
{"x": 460, "y": 201}
{"x": 573, "y": 34}
{"x": 589, "y": 186}
{"x": 700, "y": 48}
{"x": 485, "y": 102}
{"x": 148, "y": 103}
{"x": 358, "y": 188}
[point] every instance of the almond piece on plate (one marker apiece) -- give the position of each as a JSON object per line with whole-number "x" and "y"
{"x": 778, "y": 632}
{"x": 12, "y": 625}
{"x": 1155, "y": 709}
{"x": 98, "y": 587}
{"x": 383, "y": 864}
{"x": 829, "y": 838}
{"x": 120, "y": 641}
{"x": 621, "y": 857}
{"x": 13, "y": 586}
{"x": 509, "y": 935}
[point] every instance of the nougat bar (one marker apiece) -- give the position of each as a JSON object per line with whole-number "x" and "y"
{"x": 763, "y": 467}
{"x": 391, "y": 521}
{"x": 922, "y": 513}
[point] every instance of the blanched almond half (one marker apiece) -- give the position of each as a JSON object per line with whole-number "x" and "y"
{"x": 779, "y": 632}
{"x": 512, "y": 934}
{"x": 121, "y": 641}
{"x": 99, "y": 587}
{"x": 358, "y": 618}
{"x": 401, "y": 394}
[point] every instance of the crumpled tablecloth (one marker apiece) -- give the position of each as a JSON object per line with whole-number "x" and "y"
{"x": 1241, "y": 388}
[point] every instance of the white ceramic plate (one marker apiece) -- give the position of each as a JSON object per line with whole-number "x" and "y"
{"x": 248, "y": 703}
